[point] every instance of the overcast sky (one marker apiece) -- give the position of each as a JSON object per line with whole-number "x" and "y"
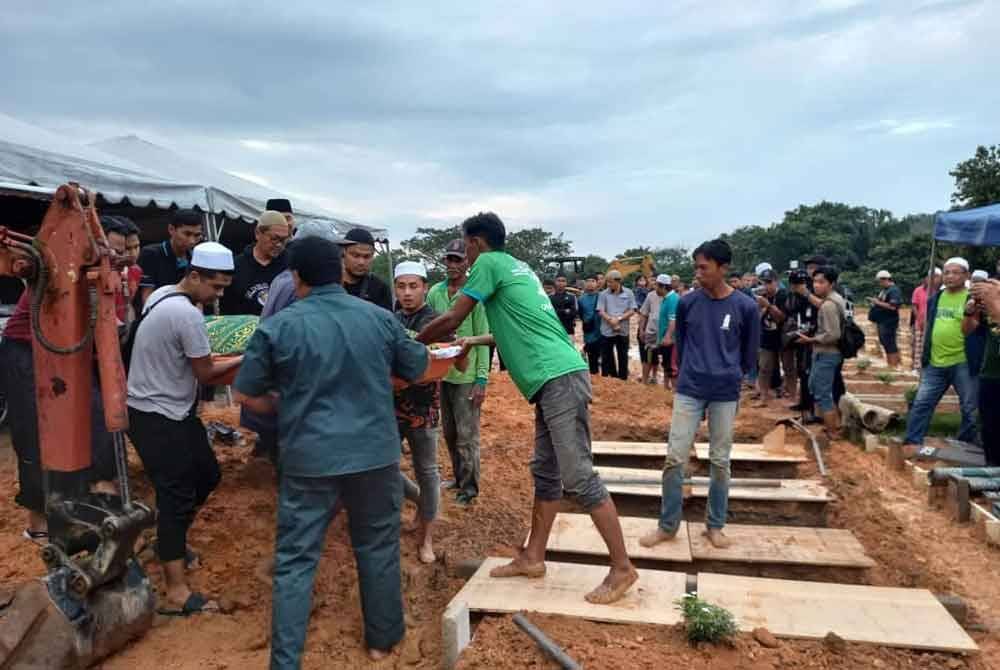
{"x": 618, "y": 124}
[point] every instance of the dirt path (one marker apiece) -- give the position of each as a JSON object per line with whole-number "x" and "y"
{"x": 235, "y": 533}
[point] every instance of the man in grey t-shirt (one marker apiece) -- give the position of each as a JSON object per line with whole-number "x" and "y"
{"x": 170, "y": 356}
{"x": 615, "y": 307}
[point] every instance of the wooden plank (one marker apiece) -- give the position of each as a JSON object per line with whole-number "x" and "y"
{"x": 742, "y": 451}
{"x": 779, "y": 545}
{"x": 986, "y": 526}
{"x": 786, "y": 545}
{"x": 576, "y": 534}
{"x": 789, "y": 490}
{"x": 562, "y": 591}
{"x": 908, "y": 618}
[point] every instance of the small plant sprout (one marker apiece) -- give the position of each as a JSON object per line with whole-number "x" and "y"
{"x": 886, "y": 377}
{"x": 704, "y": 621}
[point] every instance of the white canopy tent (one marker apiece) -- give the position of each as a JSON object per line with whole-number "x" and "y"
{"x": 227, "y": 194}
{"x": 34, "y": 162}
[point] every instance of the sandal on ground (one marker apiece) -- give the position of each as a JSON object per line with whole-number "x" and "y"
{"x": 36, "y": 536}
{"x": 195, "y": 604}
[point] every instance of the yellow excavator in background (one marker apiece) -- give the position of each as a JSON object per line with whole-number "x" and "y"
{"x": 641, "y": 264}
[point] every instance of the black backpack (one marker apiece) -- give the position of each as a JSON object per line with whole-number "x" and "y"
{"x": 852, "y": 338}
{"x": 129, "y": 345}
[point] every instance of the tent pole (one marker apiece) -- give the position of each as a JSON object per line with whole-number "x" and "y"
{"x": 388, "y": 255}
{"x": 930, "y": 269}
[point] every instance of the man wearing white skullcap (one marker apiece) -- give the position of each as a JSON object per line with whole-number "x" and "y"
{"x": 418, "y": 406}
{"x": 950, "y": 356}
{"x": 171, "y": 355}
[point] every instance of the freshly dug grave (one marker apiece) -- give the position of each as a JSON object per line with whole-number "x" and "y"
{"x": 235, "y": 534}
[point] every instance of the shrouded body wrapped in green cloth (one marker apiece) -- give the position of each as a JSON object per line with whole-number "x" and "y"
{"x": 230, "y": 334}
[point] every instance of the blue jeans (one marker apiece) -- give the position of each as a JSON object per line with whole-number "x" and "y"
{"x": 305, "y": 508}
{"x": 933, "y": 384}
{"x": 821, "y": 376}
{"x": 683, "y": 426}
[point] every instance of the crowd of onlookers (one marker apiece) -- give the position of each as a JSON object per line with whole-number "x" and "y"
{"x": 328, "y": 418}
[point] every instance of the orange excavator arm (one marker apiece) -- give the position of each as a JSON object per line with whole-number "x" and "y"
{"x": 73, "y": 285}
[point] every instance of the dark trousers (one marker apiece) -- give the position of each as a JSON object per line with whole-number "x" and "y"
{"x": 616, "y": 345}
{"x": 460, "y": 425}
{"x": 989, "y": 417}
{"x": 266, "y": 427}
{"x": 180, "y": 463}
{"x": 18, "y": 380}
{"x": 305, "y": 508}
{"x": 593, "y": 351}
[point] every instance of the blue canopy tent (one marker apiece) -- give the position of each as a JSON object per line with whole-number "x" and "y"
{"x": 979, "y": 227}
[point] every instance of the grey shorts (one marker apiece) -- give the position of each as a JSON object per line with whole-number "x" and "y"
{"x": 562, "y": 458}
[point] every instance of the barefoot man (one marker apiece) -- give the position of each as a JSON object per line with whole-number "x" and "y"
{"x": 717, "y": 334}
{"x": 550, "y": 373}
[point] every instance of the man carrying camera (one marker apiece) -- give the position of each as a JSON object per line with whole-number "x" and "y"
{"x": 803, "y": 317}
{"x": 771, "y": 299}
{"x": 826, "y": 356}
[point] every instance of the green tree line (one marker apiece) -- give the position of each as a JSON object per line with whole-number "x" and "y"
{"x": 858, "y": 240}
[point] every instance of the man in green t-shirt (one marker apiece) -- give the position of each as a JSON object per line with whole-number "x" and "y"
{"x": 549, "y": 372}
{"x": 462, "y": 392}
{"x": 945, "y": 357}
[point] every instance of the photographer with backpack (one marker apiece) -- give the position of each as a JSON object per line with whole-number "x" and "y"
{"x": 826, "y": 345}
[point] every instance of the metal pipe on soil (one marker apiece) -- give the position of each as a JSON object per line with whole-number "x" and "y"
{"x": 812, "y": 440}
{"x": 944, "y": 474}
{"x": 550, "y": 648}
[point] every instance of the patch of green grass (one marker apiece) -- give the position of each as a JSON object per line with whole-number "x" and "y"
{"x": 943, "y": 424}
{"x": 863, "y": 364}
{"x": 706, "y": 622}
{"x": 886, "y": 377}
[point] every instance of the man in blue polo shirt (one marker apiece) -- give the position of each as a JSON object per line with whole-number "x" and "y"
{"x": 717, "y": 332}
{"x": 328, "y": 358}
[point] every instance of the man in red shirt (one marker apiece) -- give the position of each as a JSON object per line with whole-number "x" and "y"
{"x": 918, "y": 317}
{"x": 19, "y": 388}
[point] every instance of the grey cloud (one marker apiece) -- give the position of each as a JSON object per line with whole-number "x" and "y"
{"x": 672, "y": 120}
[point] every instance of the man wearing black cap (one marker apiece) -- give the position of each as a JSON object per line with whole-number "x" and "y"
{"x": 359, "y": 252}
{"x": 328, "y": 358}
{"x": 462, "y": 391}
{"x": 284, "y": 206}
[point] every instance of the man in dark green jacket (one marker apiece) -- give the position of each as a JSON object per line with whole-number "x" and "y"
{"x": 327, "y": 359}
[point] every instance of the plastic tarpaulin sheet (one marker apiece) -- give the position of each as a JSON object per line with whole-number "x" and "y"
{"x": 34, "y": 160}
{"x": 234, "y": 196}
{"x": 39, "y": 160}
{"x": 978, "y": 227}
